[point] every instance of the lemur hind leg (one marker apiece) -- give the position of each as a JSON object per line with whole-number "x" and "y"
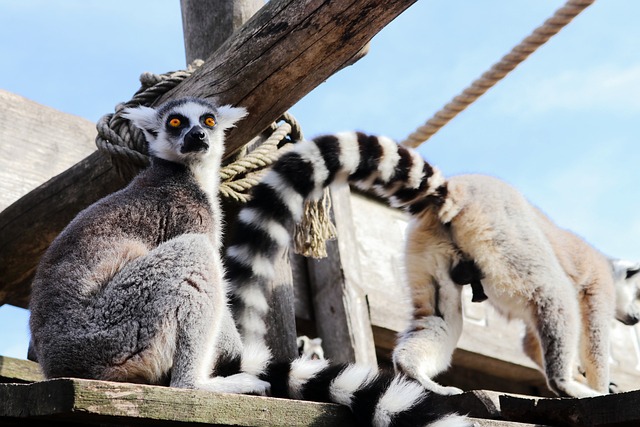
{"x": 594, "y": 345}
{"x": 164, "y": 312}
{"x": 424, "y": 350}
{"x": 558, "y": 326}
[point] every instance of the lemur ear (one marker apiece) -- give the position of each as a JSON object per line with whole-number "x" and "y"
{"x": 626, "y": 269}
{"x": 228, "y": 116}
{"x": 144, "y": 118}
{"x": 633, "y": 271}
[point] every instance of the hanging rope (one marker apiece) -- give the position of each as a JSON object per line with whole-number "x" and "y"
{"x": 518, "y": 54}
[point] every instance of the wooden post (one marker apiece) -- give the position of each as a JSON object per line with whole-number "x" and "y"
{"x": 207, "y": 24}
{"x": 340, "y": 305}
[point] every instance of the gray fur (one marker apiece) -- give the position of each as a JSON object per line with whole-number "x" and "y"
{"x": 133, "y": 288}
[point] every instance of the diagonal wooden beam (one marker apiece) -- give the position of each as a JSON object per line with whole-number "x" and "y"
{"x": 282, "y": 53}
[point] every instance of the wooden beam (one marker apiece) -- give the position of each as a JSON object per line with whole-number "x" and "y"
{"x": 339, "y": 303}
{"x": 613, "y": 410}
{"x": 19, "y": 371}
{"x": 90, "y": 402}
{"x": 287, "y": 49}
{"x": 36, "y": 144}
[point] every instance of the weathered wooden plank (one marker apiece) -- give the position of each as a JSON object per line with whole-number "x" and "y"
{"x": 340, "y": 305}
{"x": 36, "y": 144}
{"x": 18, "y": 370}
{"x": 264, "y": 67}
{"x": 613, "y": 410}
{"x": 88, "y": 402}
{"x": 99, "y": 402}
{"x": 28, "y": 226}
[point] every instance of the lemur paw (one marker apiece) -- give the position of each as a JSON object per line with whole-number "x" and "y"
{"x": 249, "y": 384}
{"x": 241, "y": 383}
{"x": 448, "y": 390}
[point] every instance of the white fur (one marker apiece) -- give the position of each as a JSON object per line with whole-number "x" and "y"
{"x": 255, "y": 357}
{"x": 253, "y": 296}
{"x": 260, "y": 265}
{"x": 228, "y": 116}
{"x": 292, "y": 199}
{"x": 400, "y": 396}
{"x": 351, "y": 379}
{"x": 434, "y": 181}
{"x": 416, "y": 171}
{"x": 311, "y": 153}
{"x": 302, "y": 371}
{"x": 390, "y": 158}
{"x": 254, "y": 326}
{"x": 350, "y": 152}
{"x": 275, "y": 230}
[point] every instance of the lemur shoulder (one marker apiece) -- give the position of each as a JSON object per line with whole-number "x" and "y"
{"x": 465, "y": 229}
{"x": 134, "y": 290}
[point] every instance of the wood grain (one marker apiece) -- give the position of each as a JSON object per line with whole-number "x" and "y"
{"x": 99, "y": 402}
{"x": 36, "y": 144}
{"x": 339, "y": 303}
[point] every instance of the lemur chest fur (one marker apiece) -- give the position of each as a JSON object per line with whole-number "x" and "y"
{"x": 163, "y": 202}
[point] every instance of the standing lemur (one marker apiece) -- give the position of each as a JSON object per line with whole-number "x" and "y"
{"x": 467, "y": 229}
{"x": 133, "y": 289}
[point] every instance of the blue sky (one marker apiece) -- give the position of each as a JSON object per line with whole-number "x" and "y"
{"x": 563, "y": 127}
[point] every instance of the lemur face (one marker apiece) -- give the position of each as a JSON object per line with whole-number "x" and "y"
{"x": 185, "y": 130}
{"x": 627, "y": 292}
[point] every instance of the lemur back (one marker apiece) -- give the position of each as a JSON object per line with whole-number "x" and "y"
{"x": 468, "y": 229}
{"x": 133, "y": 289}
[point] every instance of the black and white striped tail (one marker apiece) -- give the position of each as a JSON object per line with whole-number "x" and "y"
{"x": 264, "y": 224}
{"x": 376, "y": 398}
{"x": 263, "y": 231}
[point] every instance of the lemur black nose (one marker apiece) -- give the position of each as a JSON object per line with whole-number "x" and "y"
{"x": 195, "y": 140}
{"x": 197, "y": 133}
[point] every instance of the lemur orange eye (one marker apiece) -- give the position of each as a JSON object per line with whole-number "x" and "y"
{"x": 175, "y": 122}
{"x": 209, "y": 121}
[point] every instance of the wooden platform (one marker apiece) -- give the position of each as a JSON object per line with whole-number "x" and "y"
{"x": 24, "y": 396}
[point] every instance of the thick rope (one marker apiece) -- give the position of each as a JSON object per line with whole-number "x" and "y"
{"x": 499, "y": 70}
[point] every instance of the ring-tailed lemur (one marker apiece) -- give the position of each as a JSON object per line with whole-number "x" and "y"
{"x": 467, "y": 229}
{"x": 133, "y": 289}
